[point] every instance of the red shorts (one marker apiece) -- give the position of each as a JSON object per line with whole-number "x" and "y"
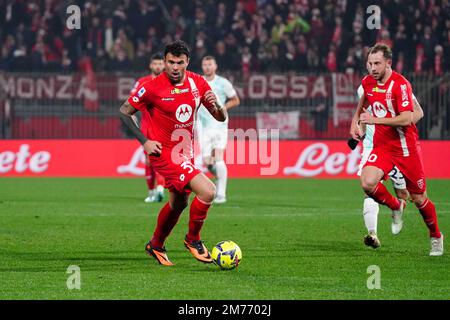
{"x": 177, "y": 169}
{"x": 411, "y": 167}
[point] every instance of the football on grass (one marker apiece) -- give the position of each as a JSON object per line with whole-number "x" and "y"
{"x": 227, "y": 255}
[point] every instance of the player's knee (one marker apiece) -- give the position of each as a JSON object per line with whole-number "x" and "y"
{"x": 402, "y": 193}
{"x": 208, "y": 194}
{"x": 179, "y": 205}
{"x": 418, "y": 199}
{"x": 368, "y": 184}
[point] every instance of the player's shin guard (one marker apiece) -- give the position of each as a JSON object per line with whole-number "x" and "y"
{"x": 197, "y": 216}
{"x": 222, "y": 175}
{"x": 167, "y": 219}
{"x": 381, "y": 195}
{"x": 428, "y": 212}
{"x": 150, "y": 176}
{"x": 370, "y": 213}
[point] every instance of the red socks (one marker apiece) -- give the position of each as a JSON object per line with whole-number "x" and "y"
{"x": 167, "y": 219}
{"x": 197, "y": 216}
{"x": 428, "y": 212}
{"x": 382, "y": 196}
{"x": 150, "y": 175}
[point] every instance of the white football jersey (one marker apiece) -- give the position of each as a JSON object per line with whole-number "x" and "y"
{"x": 224, "y": 90}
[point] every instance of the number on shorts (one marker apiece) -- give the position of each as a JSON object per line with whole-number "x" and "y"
{"x": 373, "y": 157}
{"x": 187, "y": 166}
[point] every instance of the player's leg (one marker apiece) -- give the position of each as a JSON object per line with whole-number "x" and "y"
{"x": 159, "y": 193}
{"x": 205, "y": 192}
{"x": 167, "y": 219}
{"x": 221, "y": 174}
{"x": 207, "y": 151}
{"x": 370, "y": 209}
{"x": 150, "y": 180}
{"x": 412, "y": 169}
{"x": 371, "y": 177}
{"x": 399, "y": 183}
{"x": 428, "y": 211}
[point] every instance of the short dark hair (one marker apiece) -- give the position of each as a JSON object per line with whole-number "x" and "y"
{"x": 177, "y": 48}
{"x": 381, "y": 47}
{"x": 157, "y": 56}
{"x": 209, "y": 57}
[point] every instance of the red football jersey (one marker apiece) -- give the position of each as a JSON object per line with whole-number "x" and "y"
{"x": 172, "y": 108}
{"x": 145, "y": 115}
{"x": 388, "y": 101}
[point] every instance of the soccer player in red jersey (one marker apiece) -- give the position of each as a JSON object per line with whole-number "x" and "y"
{"x": 395, "y": 141}
{"x": 172, "y": 99}
{"x": 156, "y": 67}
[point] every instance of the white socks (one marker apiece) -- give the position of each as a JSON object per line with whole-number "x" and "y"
{"x": 370, "y": 213}
{"x": 222, "y": 174}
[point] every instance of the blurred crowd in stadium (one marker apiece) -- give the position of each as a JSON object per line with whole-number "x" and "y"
{"x": 245, "y": 35}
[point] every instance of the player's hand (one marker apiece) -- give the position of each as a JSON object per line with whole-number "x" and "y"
{"x": 355, "y": 131}
{"x": 153, "y": 148}
{"x": 210, "y": 99}
{"x": 367, "y": 118}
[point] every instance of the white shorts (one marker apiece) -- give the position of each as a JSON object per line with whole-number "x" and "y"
{"x": 213, "y": 139}
{"x": 395, "y": 175}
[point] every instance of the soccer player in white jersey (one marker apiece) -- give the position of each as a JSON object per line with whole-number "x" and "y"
{"x": 371, "y": 207}
{"x": 213, "y": 135}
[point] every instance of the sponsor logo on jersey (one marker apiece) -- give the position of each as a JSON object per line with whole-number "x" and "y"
{"x": 405, "y": 103}
{"x": 183, "y": 112}
{"x": 179, "y": 91}
{"x": 135, "y": 99}
{"x": 376, "y": 89}
{"x": 141, "y": 92}
{"x": 167, "y": 99}
{"x": 379, "y": 109}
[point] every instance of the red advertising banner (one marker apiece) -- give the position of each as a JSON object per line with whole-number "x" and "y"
{"x": 245, "y": 159}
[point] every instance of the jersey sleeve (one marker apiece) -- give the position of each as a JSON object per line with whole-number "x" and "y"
{"x": 140, "y": 100}
{"x": 203, "y": 87}
{"x": 133, "y": 90}
{"x": 360, "y": 91}
{"x": 403, "y": 96}
{"x": 230, "y": 92}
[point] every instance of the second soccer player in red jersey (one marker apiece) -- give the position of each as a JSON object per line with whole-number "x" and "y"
{"x": 156, "y": 67}
{"x": 395, "y": 141}
{"x": 172, "y": 100}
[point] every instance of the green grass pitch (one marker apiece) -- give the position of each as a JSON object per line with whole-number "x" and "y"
{"x": 301, "y": 239}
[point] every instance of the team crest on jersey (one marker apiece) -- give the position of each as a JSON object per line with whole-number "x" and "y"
{"x": 379, "y": 109}
{"x": 183, "y": 112}
{"x": 195, "y": 93}
{"x": 179, "y": 91}
{"x": 420, "y": 183}
{"x": 141, "y": 92}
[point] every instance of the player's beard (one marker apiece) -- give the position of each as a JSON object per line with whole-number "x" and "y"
{"x": 176, "y": 79}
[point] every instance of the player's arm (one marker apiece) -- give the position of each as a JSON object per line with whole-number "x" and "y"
{"x": 214, "y": 107}
{"x": 232, "y": 102}
{"x": 127, "y": 112}
{"x": 231, "y": 94}
{"x": 404, "y": 119}
{"x": 418, "y": 112}
{"x": 355, "y": 129}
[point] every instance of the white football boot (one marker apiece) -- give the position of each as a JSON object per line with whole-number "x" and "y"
{"x": 437, "y": 246}
{"x": 397, "y": 221}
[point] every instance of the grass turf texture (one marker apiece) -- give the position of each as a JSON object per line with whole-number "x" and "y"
{"x": 301, "y": 239}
